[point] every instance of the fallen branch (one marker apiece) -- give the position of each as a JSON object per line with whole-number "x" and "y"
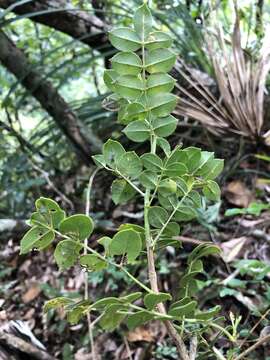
{"x": 17, "y": 343}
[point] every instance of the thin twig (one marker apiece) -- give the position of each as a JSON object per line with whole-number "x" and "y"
{"x": 86, "y": 290}
{"x": 258, "y": 343}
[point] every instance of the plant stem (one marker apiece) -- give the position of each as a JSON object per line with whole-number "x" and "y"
{"x": 86, "y": 289}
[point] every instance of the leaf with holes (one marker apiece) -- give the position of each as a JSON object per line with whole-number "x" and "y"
{"x": 126, "y": 242}
{"x": 36, "y": 238}
{"x": 78, "y": 227}
{"x": 66, "y": 253}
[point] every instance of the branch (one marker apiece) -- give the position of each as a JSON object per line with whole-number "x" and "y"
{"x": 81, "y": 25}
{"x": 17, "y": 63}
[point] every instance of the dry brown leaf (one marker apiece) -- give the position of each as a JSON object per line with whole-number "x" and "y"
{"x": 238, "y": 194}
{"x": 233, "y": 248}
{"x": 140, "y": 334}
{"x": 31, "y": 294}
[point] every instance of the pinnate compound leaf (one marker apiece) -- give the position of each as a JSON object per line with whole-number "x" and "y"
{"x": 134, "y": 111}
{"x": 215, "y": 169}
{"x": 124, "y": 39}
{"x": 142, "y": 21}
{"x": 151, "y": 300}
{"x": 129, "y": 164}
{"x": 137, "y": 131}
{"x": 157, "y": 216}
{"x": 78, "y": 227}
{"x": 138, "y": 318}
{"x": 175, "y": 169}
{"x": 158, "y": 40}
{"x": 66, "y": 253}
{"x": 36, "y": 238}
{"x": 112, "y": 151}
{"x": 92, "y": 262}
{"x": 164, "y": 126}
{"x": 159, "y": 61}
{"x": 122, "y": 192}
{"x": 126, "y": 242}
{"x": 211, "y": 191}
{"x": 126, "y": 63}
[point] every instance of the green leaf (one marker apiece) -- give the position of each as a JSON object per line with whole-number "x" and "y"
{"x": 151, "y": 300}
{"x": 134, "y": 111}
{"x": 203, "y": 250}
{"x": 125, "y": 39}
{"x": 122, "y": 192}
{"x": 101, "y": 304}
{"x": 112, "y": 151}
{"x": 164, "y": 126}
{"x": 77, "y": 311}
{"x": 48, "y": 213}
{"x": 175, "y": 169}
{"x": 99, "y": 160}
{"x": 111, "y": 317}
{"x": 139, "y": 229}
{"x": 129, "y": 87}
{"x": 110, "y": 76}
{"x": 180, "y": 311}
{"x": 66, "y": 253}
{"x": 128, "y": 299}
{"x": 167, "y": 187}
{"x": 126, "y": 242}
{"x": 172, "y": 229}
{"x": 208, "y": 315}
{"x": 36, "y": 238}
{"x": 215, "y": 169}
{"x": 57, "y": 303}
{"x": 142, "y": 21}
{"x": 159, "y": 82}
{"x": 162, "y": 104}
{"x": 78, "y": 227}
{"x": 159, "y": 61}
{"x": 194, "y": 156}
{"x": 105, "y": 242}
{"x": 157, "y": 216}
{"x": 211, "y": 191}
{"x": 126, "y": 63}
{"x": 164, "y": 145}
{"x": 137, "y": 131}
{"x": 148, "y": 179}
{"x": 92, "y": 262}
{"x": 158, "y": 40}
{"x": 204, "y": 164}
{"x": 152, "y": 162}
{"x": 129, "y": 164}
{"x": 185, "y": 213}
{"x": 138, "y": 318}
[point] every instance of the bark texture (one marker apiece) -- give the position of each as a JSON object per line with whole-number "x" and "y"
{"x": 81, "y": 25}
{"x": 17, "y": 63}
